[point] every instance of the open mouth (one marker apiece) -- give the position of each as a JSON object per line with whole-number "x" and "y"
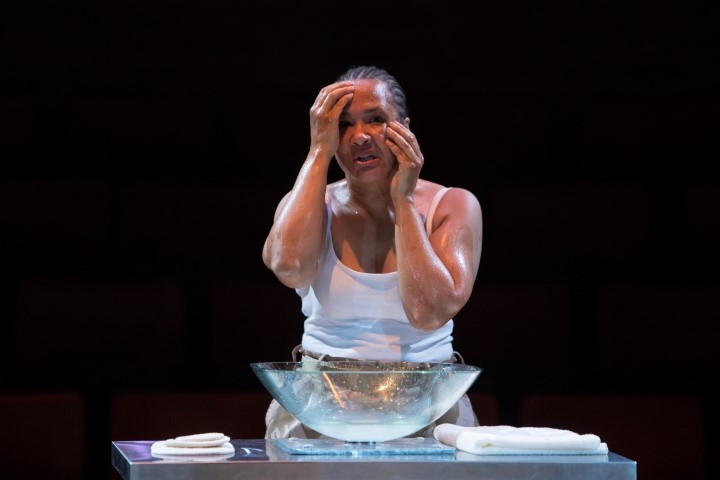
{"x": 364, "y": 158}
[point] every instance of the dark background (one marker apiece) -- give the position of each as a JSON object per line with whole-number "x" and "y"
{"x": 144, "y": 146}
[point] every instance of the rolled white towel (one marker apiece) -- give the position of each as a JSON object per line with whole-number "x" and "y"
{"x": 507, "y": 440}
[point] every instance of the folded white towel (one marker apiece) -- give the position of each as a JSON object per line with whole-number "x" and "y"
{"x": 507, "y": 440}
{"x": 198, "y": 444}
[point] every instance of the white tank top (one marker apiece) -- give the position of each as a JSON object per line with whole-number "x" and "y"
{"x": 360, "y": 315}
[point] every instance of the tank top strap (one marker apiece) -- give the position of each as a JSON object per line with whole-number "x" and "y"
{"x": 328, "y": 231}
{"x": 433, "y": 206}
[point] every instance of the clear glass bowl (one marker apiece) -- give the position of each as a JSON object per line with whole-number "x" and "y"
{"x": 366, "y": 401}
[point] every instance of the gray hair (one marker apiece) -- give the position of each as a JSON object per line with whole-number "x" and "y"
{"x": 371, "y": 72}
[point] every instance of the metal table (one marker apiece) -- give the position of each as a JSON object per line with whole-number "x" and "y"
{"x": 261, "y": 459}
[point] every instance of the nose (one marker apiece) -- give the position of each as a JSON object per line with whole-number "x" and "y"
{"x": 359, "y": 135}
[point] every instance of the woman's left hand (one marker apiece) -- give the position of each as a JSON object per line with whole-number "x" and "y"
{"x": 403, "y": 143}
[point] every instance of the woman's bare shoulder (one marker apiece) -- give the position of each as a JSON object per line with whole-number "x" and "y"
{"x": 426, "y": 190}
{"x": 337, "y": 191}
{"x": 456, "y": 202}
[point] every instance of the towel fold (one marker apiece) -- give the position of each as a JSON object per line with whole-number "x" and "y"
{"x": 507, "y": 440}
{"x": 198, "y": 444}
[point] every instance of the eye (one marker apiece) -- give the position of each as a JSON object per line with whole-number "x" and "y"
{"x": 343, "y": 124}
{"x": 377, "y": 119}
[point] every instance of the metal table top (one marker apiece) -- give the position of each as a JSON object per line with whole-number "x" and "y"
{"x": 262, "y": 459}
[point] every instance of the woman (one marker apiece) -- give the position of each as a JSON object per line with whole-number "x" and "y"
{"x": 382, "y": 259}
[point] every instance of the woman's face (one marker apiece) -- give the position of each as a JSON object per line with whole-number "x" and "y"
{"x": 362, "y": 153}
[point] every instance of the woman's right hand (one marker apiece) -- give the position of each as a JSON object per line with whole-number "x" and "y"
{"x": 324, "y": 115}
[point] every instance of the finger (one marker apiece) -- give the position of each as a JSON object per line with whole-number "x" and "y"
{"x": 404, "y": 155}
{"x": 404, "y": 137}
{"x": 403, "y": 149}
{"x": 337, "y": 90}
{"x": 329, "y": 95}
{"x": 340, "y": 104}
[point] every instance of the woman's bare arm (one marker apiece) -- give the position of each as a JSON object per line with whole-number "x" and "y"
{"x": 294, "y": 244}
{"x": 436, "y": 274}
